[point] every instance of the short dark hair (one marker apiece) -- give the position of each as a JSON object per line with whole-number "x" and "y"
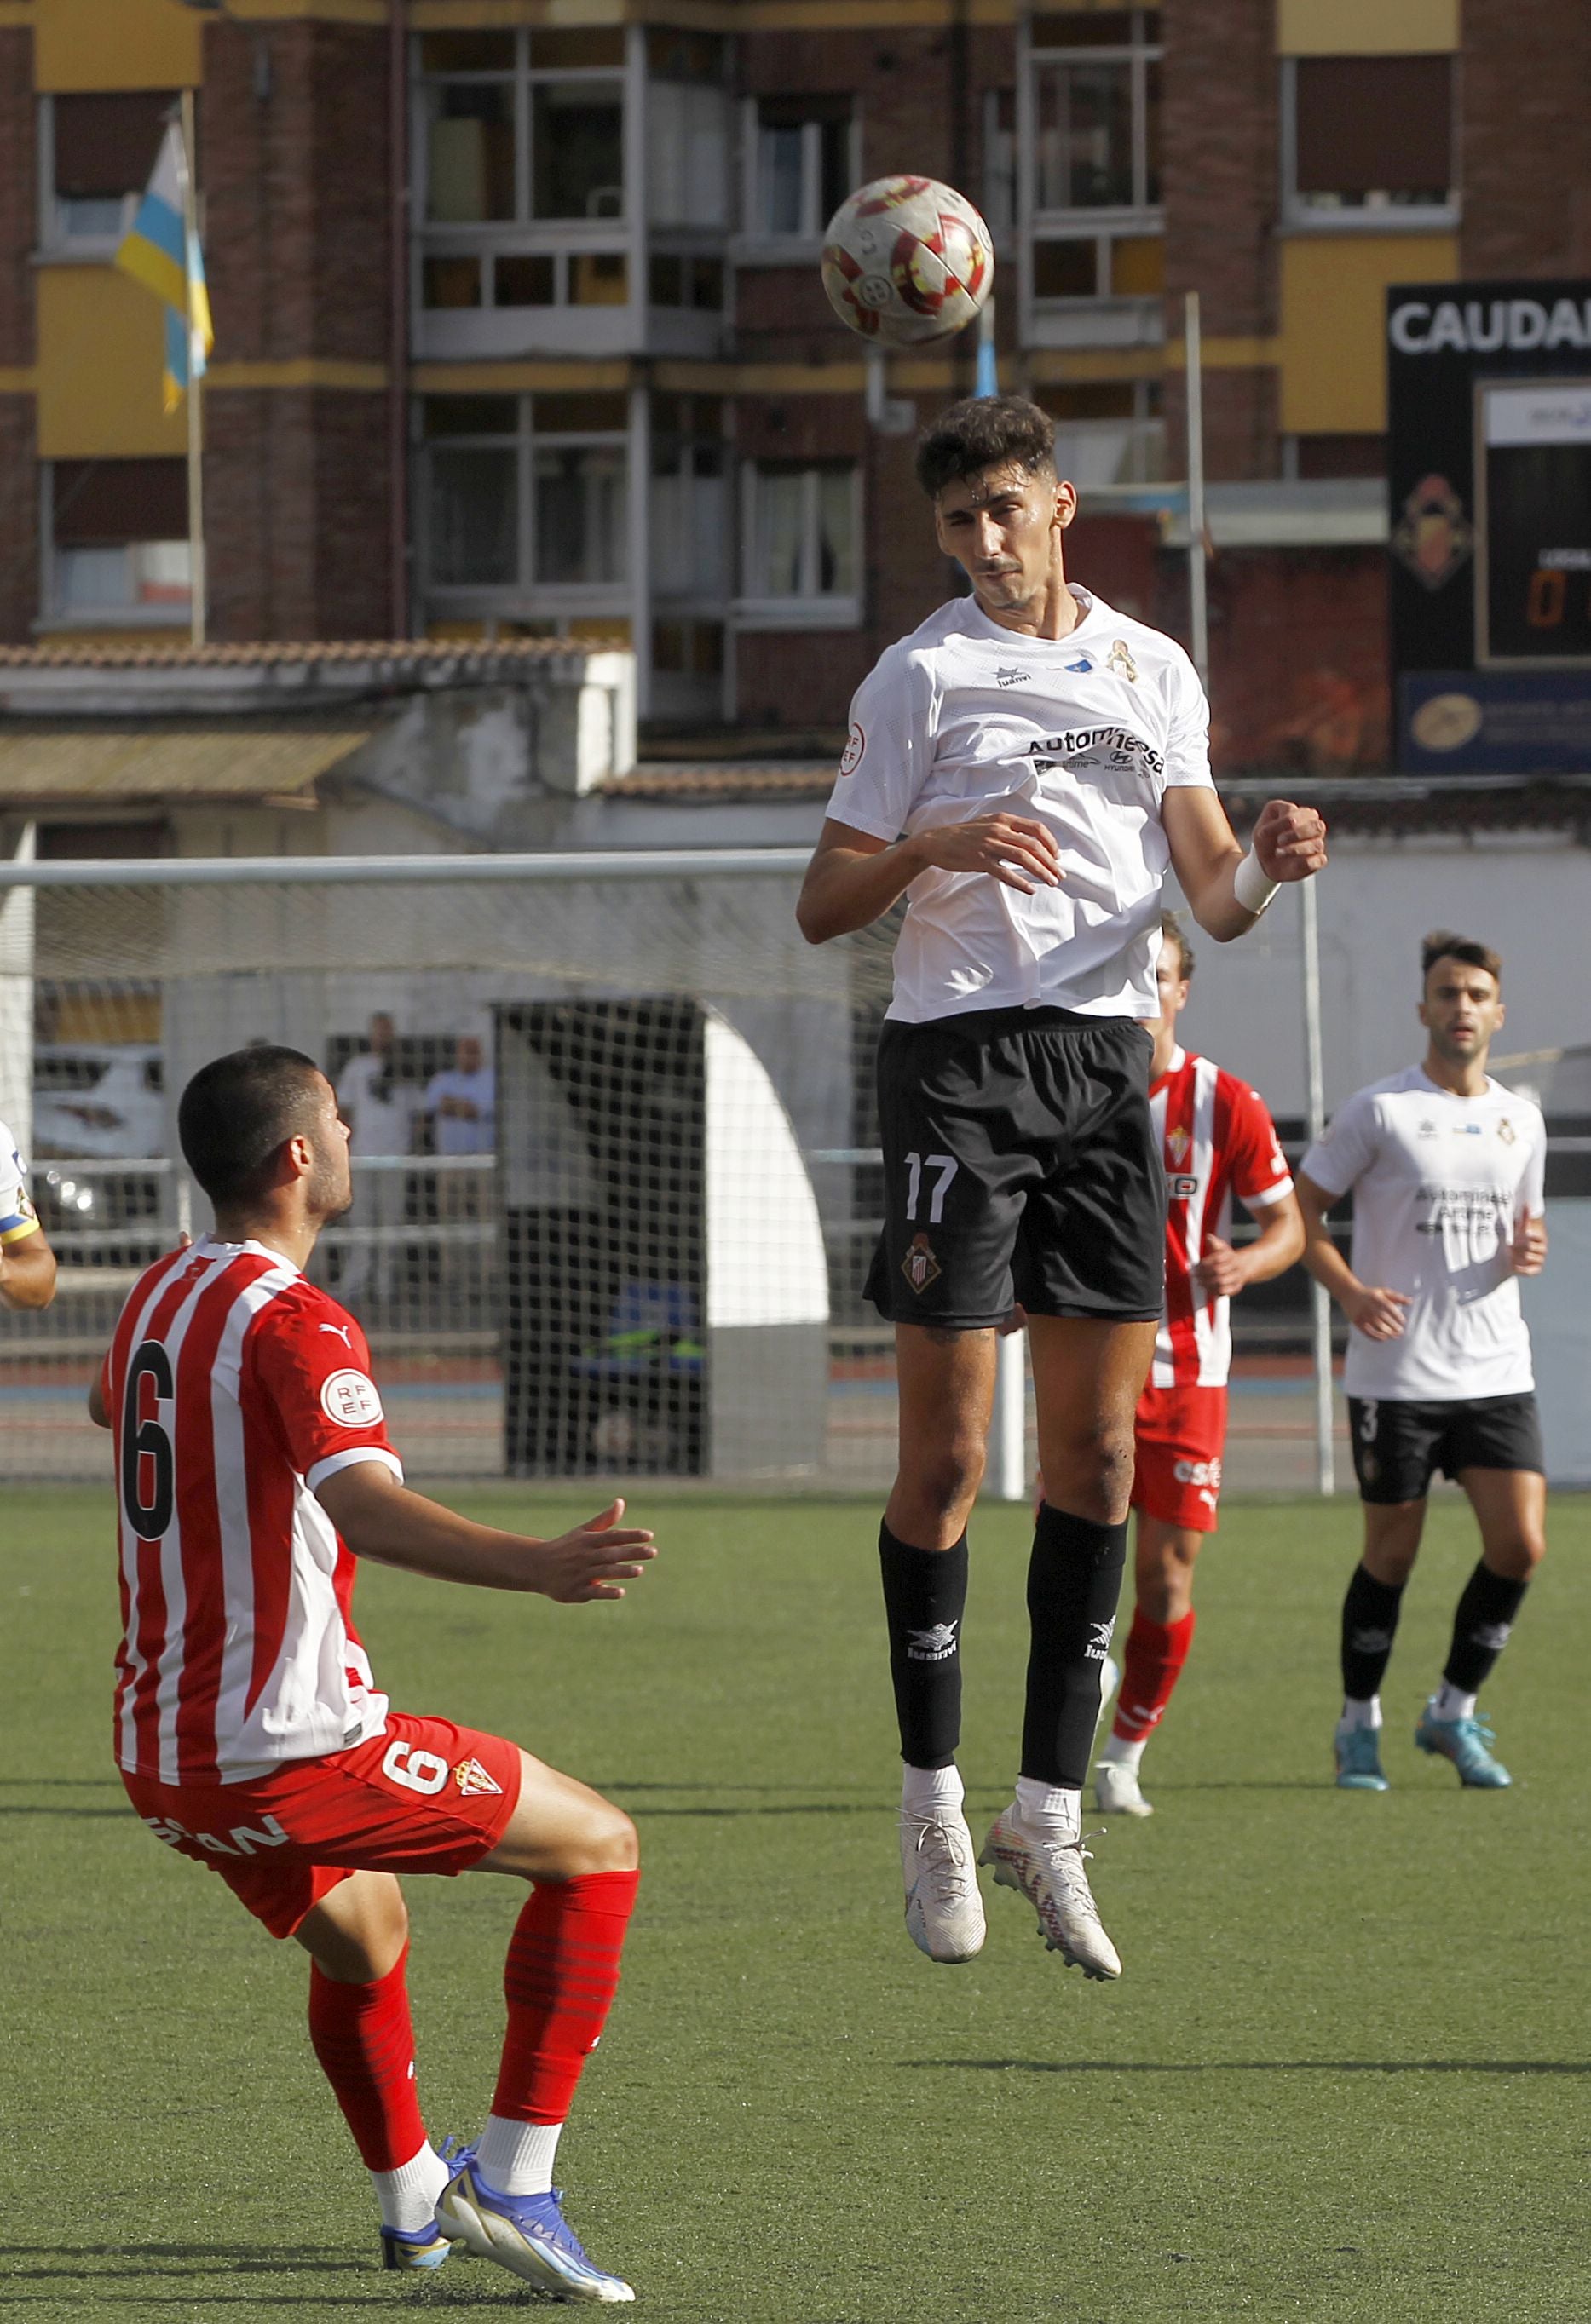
{"x": 239, "y": 1112}
{"x": 1442, "y": 944}
{"x": 1172, "y": 928}
{"x": 984, "y": 431}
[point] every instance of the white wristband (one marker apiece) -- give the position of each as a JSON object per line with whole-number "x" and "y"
{"x": 1251, "y": 886}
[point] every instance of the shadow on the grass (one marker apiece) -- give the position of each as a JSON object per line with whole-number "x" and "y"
{"x": 79, "y": 2268}
{"x": 1250, "y": 2066}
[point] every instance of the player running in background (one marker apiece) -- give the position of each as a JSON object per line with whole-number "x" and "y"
{"x": 252, "y": 1466}
{"x": 1216, "y": 1140}
{"x": 1446, "y": 1169}
{"x": 27, "y": 1263}
{"x": 1023, "y": 769}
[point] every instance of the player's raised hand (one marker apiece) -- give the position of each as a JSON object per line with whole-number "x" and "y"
{"x": 1290, "y": 841}
{"x": 1528, "y": 1251}
{"x": 1013, "y": 849}
{"x": 1219, "y": 1273}
{"x": 593, "y": 1559}
{"x": 1376, "y": 1312}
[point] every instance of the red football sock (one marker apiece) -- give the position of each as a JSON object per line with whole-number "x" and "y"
{"x": 366, "y": 2044}
{"x": 560, "y": 1976}
{"x": 1151, "y": 1667}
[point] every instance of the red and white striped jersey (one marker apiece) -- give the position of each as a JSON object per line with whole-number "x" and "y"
{"x": 233, "y": 1388}
{"x": 1216, "y": 1140}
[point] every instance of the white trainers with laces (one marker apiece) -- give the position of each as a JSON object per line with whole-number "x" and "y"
{"x": 1116, "y": 1791}
{"x": 944, "y": 1911}
{"x": 1050, "y": 1874}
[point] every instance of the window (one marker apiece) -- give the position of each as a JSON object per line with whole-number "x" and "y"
{"x": 799, "y": 540}
{"x": 115, "y": 541}
{"x": 1368, "y": 141}
{"x": 1093, "y": 192}
{"x": 690, "y": 497}
{"x": 524, "y": 493}
{"x": 999, "y": 160}
{"x": 95, "y": 156}
{"x": 1108, "y": 432}
{"x": 803, "y": 163}
{"x": 521, "y": 154}
{"x": 687, "y": 129}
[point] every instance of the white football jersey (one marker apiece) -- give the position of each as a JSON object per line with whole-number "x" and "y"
{"x": 1085, "y": 734}
{"x": 1440, "y": 1184}
{"x": 18, "y": 1218}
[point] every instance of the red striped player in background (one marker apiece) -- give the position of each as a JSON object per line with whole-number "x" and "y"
{"x": 253, "y": 1467}
{"x": 1216, "y": 1140}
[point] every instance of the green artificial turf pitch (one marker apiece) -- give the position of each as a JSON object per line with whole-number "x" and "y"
{"x": 1345, "y": 2075}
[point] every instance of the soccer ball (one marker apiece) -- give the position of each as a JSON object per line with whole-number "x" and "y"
{"x": 906, "y": 259}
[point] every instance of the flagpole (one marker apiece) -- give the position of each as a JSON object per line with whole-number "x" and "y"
{"x": 196, "y": 557}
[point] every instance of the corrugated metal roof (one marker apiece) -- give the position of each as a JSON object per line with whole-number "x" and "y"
{"x": 57, "y": 765}
{"x": 716, "y": 779}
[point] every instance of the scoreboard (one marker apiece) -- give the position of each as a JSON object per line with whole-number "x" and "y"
{"x": 1533, "y": 524}
{"x": 1489, "y": 476}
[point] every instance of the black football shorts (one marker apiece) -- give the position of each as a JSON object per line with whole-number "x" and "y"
{"x": 1020, "y": 1165}
{"x": 1399, "y": 1445}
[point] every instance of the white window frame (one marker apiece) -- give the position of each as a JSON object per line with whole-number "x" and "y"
{"x": 524, "y": 598}
{"x": 760, "y": 244}
{"x": 523, "y": 236}
{"x": 71, "y": 249}
{"x": 808, "y": 609}
{"x": 1105, "y": 317}
{"x": 52, "y": 616}
{"x": 1299, "y": 216}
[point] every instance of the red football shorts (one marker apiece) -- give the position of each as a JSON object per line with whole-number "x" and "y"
{"x": 1182, "y": 1433}
{"x": 426, "y": 1796}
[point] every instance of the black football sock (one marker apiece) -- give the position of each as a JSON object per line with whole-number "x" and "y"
{"x": 924, "y": 1598}
{"x": 1484, "y": 1616}
{"x": 1370, "y": 1624}
{"x": 1074, "y": 1584}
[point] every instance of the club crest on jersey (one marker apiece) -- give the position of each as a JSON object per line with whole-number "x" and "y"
{"x": 472, "y": 1778}
{"x": 920, "y": 1267}
{"x": 349, "y": 1398}
{"x": 851, "y": 756}
{"x": 1177, "y": 1142}
{"x": 1122, "y": 662}
{"x": 1505, "y": 1130}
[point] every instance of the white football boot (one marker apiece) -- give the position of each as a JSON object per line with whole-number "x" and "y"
{"x": 1116, "y": 1792}
{"x": 944, "y": 1911}
{"x": 1049, "y": 1872}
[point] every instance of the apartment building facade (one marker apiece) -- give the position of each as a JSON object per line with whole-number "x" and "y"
{"x": 519, "y": 328}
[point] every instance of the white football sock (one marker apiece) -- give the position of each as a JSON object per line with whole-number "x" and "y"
{"x": 1050, "y": 1809}
{"x": 517, "y": 2157}
{"x": 924, "y": 1791}
{"x": 1124, "y": 1752}
{"x": 1357, "y": 1713}
{"x": 1452, "y": 1702}
{"x": 408, "y": 2195}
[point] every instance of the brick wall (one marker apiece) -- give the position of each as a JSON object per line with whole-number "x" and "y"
{"x": 1298, "y": 658}
{"x": 1525, "y": 143}
{"x": 294, "y": 162}
{"x": 19, "y": 474}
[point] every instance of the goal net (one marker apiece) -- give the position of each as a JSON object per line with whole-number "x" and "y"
{"x": 616, "y": 1165}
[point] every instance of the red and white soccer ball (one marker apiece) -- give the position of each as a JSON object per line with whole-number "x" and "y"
{"x": 906, "y": 259}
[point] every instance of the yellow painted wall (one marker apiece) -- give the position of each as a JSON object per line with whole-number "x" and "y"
{"x": 81, "y": 45}
{"x": 1366, "y": 28}
{"x": 101, "y": 341}
{"x": 1334, "y": 324}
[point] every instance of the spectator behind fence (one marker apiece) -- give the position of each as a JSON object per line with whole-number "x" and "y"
{"x": 462, "y": 1102}
{"x": 380, "y": 1112}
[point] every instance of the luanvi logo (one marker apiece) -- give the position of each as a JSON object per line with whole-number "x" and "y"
{"x": 1013, "y": 677}
{"x": 1098, "y": 1646}
{"x": 935, "y": 1645}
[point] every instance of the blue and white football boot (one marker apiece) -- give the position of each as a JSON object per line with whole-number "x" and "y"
{"x": 426, "y": 2248}
{"x": 526, "y": 2234}
{"x": 1358, "y": 1759}
{"x": 1467, "y": 1743}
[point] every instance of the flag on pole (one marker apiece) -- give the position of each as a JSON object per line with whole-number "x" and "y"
{"x": 162, "y": 254}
